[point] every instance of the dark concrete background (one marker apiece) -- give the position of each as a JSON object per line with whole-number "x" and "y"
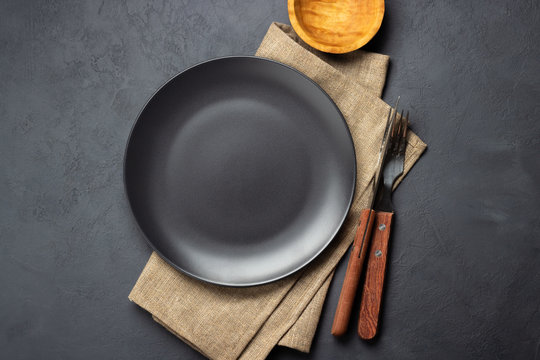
{"x": 464, "y": 277}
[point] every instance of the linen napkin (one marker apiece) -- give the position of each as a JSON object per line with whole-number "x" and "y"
{"x": 246, "y": 323}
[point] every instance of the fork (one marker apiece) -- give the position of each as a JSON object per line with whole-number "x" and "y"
{"x": 378, "y": 255}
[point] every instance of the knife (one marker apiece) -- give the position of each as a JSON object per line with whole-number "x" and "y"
{"x": 361, "y": 239}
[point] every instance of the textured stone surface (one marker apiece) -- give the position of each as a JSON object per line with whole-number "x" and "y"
{"x": 464, "y": 277}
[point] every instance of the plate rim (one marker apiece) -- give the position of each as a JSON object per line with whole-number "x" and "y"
{"x": 225, "y": 283}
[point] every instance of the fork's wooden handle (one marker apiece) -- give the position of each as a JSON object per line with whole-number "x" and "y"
{"x": 352, "y": 276}
{"x": 376, "y": 268}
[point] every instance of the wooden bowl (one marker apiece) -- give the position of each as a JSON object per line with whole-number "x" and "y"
{"x": 336, "y": 26}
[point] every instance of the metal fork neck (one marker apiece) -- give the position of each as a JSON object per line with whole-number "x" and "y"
{"x": 385, "y": 200}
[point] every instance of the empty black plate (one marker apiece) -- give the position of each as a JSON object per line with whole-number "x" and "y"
{"x": 240, "y": 171}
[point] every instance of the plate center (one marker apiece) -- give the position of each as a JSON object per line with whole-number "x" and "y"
{"x": 238, "y": 159}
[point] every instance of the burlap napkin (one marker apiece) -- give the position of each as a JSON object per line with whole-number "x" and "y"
{"x": 246, "y": 323}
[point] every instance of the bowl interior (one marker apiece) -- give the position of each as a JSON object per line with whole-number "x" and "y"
{"x": 336, "y": 26}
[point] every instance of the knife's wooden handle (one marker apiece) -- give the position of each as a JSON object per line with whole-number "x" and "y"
{"x": 376, "y": 268}
{"x": 352, "y": 276}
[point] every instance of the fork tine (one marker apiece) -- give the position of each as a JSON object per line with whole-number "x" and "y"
{"x": 406, "y": 123}
{"x": 403, "y": 135}
{"x": 397, "y": 133}
{"x": 394, "y": 130}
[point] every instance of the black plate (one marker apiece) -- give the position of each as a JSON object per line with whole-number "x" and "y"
{"x": 240, "y": 171}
